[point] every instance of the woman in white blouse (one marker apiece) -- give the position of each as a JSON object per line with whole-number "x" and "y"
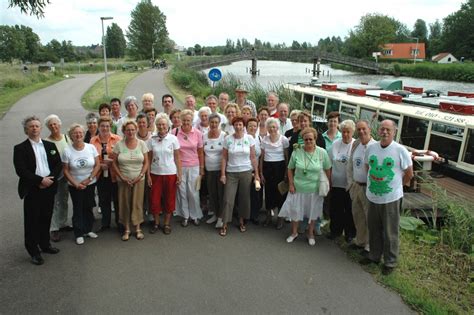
{"x": 164, "y": 173}
{"x": 238, "y": 161}
{"x": 213, "y": 147}
{"x": 273, "y": 167}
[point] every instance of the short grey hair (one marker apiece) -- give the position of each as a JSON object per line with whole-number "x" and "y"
{"x": 48, "y": 119}
{"x": 27, "y": 119}
{"x": 347, "y": 124}
{"x": 211, "y": 97}
{"x": 92, "y": 116}
{"x": 272, "y": 121}
{"x": 73, "y": 127}
{"x": 215, "y": 116}
{"x": 130, "y": 99}
{"x": 162, "y": 116}
{"x": 273, "y": 94}
{"x": 204, "y": 109}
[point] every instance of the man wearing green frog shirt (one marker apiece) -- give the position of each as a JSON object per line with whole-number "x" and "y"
{"x": 389, "y": 167}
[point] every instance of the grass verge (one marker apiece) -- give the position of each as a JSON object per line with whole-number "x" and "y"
{"x": 10, "y": 95}
{"x": 117, "y": 82}
{"x": 178, "y": 93}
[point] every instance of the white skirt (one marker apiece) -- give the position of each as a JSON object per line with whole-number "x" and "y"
{"x": 298, "y": 206}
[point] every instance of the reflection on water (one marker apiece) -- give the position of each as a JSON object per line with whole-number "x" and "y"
{"x": 285, "y": 72}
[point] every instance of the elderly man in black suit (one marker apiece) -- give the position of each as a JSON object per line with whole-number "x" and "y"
{"x": 38, "y": 164}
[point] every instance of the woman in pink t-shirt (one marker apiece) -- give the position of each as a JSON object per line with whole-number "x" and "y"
{"x": 192, "y": 162}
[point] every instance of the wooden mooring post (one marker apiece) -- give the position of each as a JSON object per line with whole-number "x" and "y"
{"x": 316, "y": 63}
{"x": 254, "y": 71}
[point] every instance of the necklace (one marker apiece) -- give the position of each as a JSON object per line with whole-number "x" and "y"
{"x": 308, "y": 161}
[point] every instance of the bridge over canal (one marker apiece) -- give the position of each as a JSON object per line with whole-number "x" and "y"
{"x": 314, "y": 56}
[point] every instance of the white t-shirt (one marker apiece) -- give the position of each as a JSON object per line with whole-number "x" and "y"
{"x": 358, "y": 162}
{"x": 213, "y": 151}
{"x": 339, "y": 155}
{"x": 258, "y": 147}
{"x": 162, "y": 162}
{"x": 81, "y": 163}
{"x": 284, "y": 127}
{"x": 274, "y": 151}
{"x": 386, "y": 168}
{"x": 238, "y": 158}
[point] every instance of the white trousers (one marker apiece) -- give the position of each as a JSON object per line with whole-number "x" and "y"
{"x": 188, "y": 204}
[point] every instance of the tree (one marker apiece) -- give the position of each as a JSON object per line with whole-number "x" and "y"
{"x": 458, "y": 35}
{"x": 435, "y": 40}
{"x": 295, "y": 45}
{"x": 420, "y": 30}
{"x": 12, "y": 43}
{"x": 372, "y": 32}
{"x": 147, "y": 29}
{"x": 32, "y": 42}
{"x": 197, "y": 50}
{"x": 115, "y": 42}
{"x": 33, "y": 7}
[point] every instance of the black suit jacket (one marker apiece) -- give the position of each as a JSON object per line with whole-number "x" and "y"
{"x": 25, "y": 166}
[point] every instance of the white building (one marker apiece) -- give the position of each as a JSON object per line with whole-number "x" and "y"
{"x": 444, "y": 58}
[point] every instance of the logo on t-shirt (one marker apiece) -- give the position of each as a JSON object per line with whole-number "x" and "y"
{"x": 380, "y": 176}
{"x": 358, "y": 162}
{"x": 81, "y": 163}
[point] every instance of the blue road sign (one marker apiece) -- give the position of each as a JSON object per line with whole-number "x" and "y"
{"x": 215, "y": 74}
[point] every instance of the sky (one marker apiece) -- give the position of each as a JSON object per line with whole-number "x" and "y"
{"x": 211, "y": 22}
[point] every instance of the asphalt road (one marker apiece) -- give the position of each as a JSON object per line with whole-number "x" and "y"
{"x": 192, "y": 270}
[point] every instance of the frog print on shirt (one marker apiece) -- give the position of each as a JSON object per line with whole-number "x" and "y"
{"x": 380, "y": 176}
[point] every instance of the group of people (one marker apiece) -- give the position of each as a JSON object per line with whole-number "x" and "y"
{"x": 227, "y": 157}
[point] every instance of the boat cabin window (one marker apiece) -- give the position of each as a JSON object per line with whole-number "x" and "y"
{"x": 307, "y": 101}
{"x": 318, "y": 110}
{"x": 448, "y": 129}
{"x": 348, "y": 112}
{"x": 320, "y": 100}
{"x": 367, "y": 114}
{"x": 468, "y": 156}
{"x": 333, "y": 106}
{"x": 446, "y": 147}
{"x": 414, "y": 132}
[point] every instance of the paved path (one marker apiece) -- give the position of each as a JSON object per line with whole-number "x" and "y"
{"x": 193, "y": 270}
{"x": 149, "y": 82}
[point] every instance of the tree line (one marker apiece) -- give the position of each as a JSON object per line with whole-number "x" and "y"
{"x": 454, "y": 34}
{"x": 146, "y": 34}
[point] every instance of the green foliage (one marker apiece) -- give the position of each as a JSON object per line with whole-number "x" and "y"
{"x": 410, "y": 223}
{"x": 195, "y": 82}
{"x": 115, "y": 42}
{"x": 449, "y": 72}
{"x": 32, "y": 7}
{"x": 147, "y": 29}
{"x": 458, "y": 35}
{"x": 373, "y": 31}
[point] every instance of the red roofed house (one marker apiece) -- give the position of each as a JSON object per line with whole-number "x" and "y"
{"x": 404, "y": 51}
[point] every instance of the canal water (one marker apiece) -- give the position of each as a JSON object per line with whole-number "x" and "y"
{"x": 276, "y": 72}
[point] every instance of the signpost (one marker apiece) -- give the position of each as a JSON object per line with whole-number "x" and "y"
{"x": 214, "y": 75}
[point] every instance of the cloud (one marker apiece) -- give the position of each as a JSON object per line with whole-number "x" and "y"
{"x": 211, "y": 22}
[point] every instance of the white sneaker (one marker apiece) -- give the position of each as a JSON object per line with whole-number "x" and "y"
{"x": 219, "y": 223}
{"x": 212, "y": 219}
{"x": 311, "y": 241}
{"x": 291, "y": 238}
{"x": 99, "y": 210}
{"x": 79, "y": 240}
{"x": 92, "y": 235}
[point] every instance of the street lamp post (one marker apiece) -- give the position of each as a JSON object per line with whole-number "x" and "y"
{"x": 416, "y": 49}
{"x": 105, "y": 55}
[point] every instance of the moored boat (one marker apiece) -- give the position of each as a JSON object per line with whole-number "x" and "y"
{"x": 426, "y": 120}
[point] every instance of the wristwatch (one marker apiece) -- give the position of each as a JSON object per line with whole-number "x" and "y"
{"x": 91, "y": 178}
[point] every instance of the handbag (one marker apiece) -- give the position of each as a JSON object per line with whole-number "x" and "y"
{"x": 323, "y": 179}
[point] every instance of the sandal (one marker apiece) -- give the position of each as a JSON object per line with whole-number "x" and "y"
{"x": 167, "y": 229}
{"x": 154, "y": 228}
{"x": 242, "y": 228}
{"x": 140, "y": 235}
{"x": 126, "y": 236}
{"x": 223, "y": 231}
